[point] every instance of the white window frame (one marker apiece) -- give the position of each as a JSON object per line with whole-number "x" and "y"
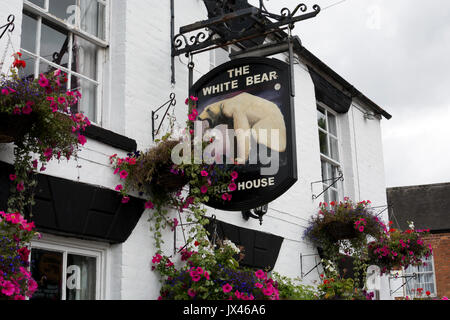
{"x": 73, "y": 30}
{"x": 338, "y": 187}
{"x": 434, "y": 294}
{"x": 78, "y": 247}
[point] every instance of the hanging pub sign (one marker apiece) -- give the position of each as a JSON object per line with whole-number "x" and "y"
{"x": 246, "y": 108}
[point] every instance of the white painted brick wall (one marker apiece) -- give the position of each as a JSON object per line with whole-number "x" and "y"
{"x": 138, "y": 72}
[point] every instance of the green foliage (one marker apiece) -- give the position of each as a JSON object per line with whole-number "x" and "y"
{"x": 293, "y": 289}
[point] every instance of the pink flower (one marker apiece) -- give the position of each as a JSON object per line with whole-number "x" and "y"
{"x": 224, "y": 197}
{"x": 12, "y": 177}
{"x": 54, "y": 106}
{"x": 196, "y": 278}
{"x": 191, "y": 293}
{"x": 123, "y": 174}
{"x": 125, "y": 199}
{"x": 119, "y": 187}
{"x": 191, "y": 117}
{"x": 204, "y": 173}
{"x": 232, "y": 186}
{"x": 194, "y": 112}
{"x": 8, "y": 288}
{"x": 206, "y": 274}
{"x": 5, "y": 91}
{"x": 149, "y": 205}
{"x": 227, "y": 288}
{"x": 267, "y": 291}
{"x": 204, "y": 189}
{"x": 361, "y": 229}
{"x": 61, "y": 100}
{"x": 258, "y": 285}
{"x": 43, "y": 81}
{"x": 234, "y": 175}
{"x": 82, "y": 139}
{"x": 157, "y": 258}
{"x": 199, "y": 270}
{"x": 20, "y": 187}
{"x": 27, "y": 109}
{"x": 116, "y": 170}
{"x": 260, "y": 274}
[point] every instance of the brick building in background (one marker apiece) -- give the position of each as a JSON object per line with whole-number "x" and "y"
{"x": 428, "y": 206}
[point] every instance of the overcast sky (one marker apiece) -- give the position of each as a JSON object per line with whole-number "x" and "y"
{"x": 396, "y": 52}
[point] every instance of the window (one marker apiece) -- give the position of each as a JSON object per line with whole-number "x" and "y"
{"x": 69, "y": 35}
{"x": 424, "y": 280}
{"x": 329, "y": 153}
{"x": 67, "y": 272}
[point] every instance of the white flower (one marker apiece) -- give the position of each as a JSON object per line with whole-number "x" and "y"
{"x": 230, "y": 244}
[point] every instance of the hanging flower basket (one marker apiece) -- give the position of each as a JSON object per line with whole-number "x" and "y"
{"x": 342, "y": 221}
{"x": 338, "y": 230}
{"x": 398, "y": 249}
{"x": 13, "y": 127}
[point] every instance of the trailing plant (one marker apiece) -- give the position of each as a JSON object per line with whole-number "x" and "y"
{"x": 396, "y": 249}
{"x": 344, "y": 228}
{"x": 16, "y": 282}
{"x": 212, "y": 273}
{"x": 154, "y": 175}
{"x": 37, "y": 116}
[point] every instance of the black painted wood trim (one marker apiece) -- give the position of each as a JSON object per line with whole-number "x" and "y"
{"x": 80, "y": 210}
{"x": 111, "y": 138}
{"x": 261, "y": 249}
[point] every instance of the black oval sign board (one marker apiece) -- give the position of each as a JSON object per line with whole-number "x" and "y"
{"x": 248, "y": 104}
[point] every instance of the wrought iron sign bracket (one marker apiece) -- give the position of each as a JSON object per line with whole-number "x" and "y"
{"x": 217, "y": 32}
{"x": 171, "y": 103}
{"x": 335, "y": 180}
{"x": 8, "y": 26}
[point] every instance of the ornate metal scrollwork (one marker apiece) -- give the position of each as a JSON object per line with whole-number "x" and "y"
{"x": 236, "y": 21}
{"x": 8, "y": 26}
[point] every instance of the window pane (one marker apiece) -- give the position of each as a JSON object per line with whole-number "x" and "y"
{"x": 64, "y": 9}
{"x": 28, "y": 71}
{"x": 28, "y": 39}
{"x": 324, "y": 171}
{"x": 54, "y": 45}
{"x": 332, "y": 124}
{"x": 84, "y": 58}
{"x": 321, "y": 119}
{"x": 334, "y": 149}
{"x": 323, "y": 143}
{"x": 333, "y": 195}
{"x": 46, "y": 269}
{"x": 92, "y": 17}
{"x": 88, "y": 90}
{"x": 81, "y": 277}
{"x": 40, "y": 3}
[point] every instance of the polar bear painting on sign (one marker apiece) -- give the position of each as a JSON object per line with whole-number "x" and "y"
{"x": 250, "y": 116}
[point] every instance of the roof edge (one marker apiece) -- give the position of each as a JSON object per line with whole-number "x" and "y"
{"x": 321, "y": 66}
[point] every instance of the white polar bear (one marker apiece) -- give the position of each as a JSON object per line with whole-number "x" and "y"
{"x": 250, "y": 116}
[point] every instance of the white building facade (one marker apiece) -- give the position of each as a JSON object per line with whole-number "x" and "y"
{"x": 121, "y": 61}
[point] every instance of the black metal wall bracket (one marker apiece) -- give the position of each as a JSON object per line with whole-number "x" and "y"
{"x": 408, "y": 278}
{"x": 171, "y": 103}
{"x": 8, "y": 26}
{"x": 335, "y": 180}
